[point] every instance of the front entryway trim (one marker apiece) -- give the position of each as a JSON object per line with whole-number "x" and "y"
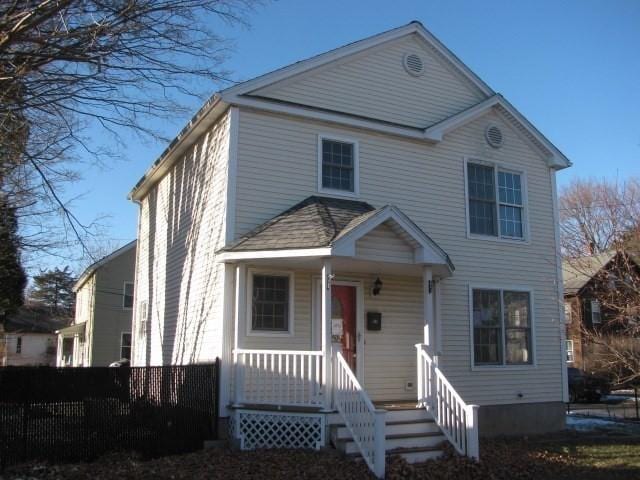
{"x": 316, "y": 330}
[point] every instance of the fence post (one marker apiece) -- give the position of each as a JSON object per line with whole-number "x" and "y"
{"x": 216, "y": 397}
{"x": 380, "y": 443}
{"x": 473, "y": 442}
{"x": 433, "y": 389}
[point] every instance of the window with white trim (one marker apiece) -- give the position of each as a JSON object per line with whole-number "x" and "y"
{"x": 125, "y": 345}
{"x": 495, "y": 201}
{"x": 502, "y": 327}
{"x": 19, "y": 345}
{"x": 271, "y": 302}
{"x": 338, "y": 166}
{"x": 568, "y": 312}
{"x": 596, "y": 317}
{"x": 569, "y": 345}
{"x": 127, "y": 295}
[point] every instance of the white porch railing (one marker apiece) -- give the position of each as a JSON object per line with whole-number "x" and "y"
{"x": 365, "y": 423}
{"x": 457, "y": 420}
{"x": 278, "y": 377}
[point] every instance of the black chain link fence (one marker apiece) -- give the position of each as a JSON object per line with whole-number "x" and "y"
{"x": 71, "y": 414}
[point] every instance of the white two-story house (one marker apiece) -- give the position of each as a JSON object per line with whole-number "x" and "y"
{"x": 368, "y": 239}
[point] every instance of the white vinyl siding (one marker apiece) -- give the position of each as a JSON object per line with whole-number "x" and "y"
{"x": 374, "y": 84}
{"x": 181, "y": 225}
{"x": 383, "y": 245}
{"x": 427, "y": 182}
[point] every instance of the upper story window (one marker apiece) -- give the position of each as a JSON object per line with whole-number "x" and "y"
{"x": 127, "y": 295}
{"x": 502, "y": 327}
{"x": 338, "y": 166}
{"x": 495, "y": 201}
{"x": 271, "y": 302}
{"x": 596, "y": 317}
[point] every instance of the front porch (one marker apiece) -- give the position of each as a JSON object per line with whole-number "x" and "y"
{"x": 329, "y": 301}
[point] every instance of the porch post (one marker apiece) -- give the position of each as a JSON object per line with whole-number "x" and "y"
{"x": 438, "y": 317}
{"x": 240, "y": 317}
{"x": 326, "y": 331}
{"x": 427, "y": 290}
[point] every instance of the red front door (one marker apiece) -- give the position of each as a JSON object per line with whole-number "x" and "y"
{"x": 343, "y": 305}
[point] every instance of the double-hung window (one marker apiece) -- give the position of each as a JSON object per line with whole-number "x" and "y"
{"x": 337, "y": 166}
{"x": 502, "y": 327}
{"x": 596, "y": 317}
{"x": 495, "y": 201}
{"x": 127, "y": 295}
{"x": 271, "y": 302}
{"x": 125, "y": 345}
{"x": 569, "y": 344}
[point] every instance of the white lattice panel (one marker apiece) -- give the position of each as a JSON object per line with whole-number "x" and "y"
{"x": 263, "y": 429}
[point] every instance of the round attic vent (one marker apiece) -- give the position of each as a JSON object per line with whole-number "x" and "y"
{"x": 413, "y": 64}
{"x": 493, "y": 134}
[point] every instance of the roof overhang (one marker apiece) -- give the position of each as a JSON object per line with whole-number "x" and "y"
{"x": 426, "y": 251}
{"x": 75, "y": 329}
{"x": 90, "y": 270}
{"x": 555, "y": 158}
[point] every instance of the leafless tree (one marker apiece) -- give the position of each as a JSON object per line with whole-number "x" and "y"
{"x": 600, "y": 232}
{"x": 67, "y": 65}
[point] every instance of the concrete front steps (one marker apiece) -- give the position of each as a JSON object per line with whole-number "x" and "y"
{"x": 410, "y": 432}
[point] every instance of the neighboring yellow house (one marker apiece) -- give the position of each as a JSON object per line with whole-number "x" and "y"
{"x": 101, "y": 330}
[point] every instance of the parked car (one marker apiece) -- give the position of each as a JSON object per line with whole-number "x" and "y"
{"x": 123, "y": 362}
{"x": 586, "y": 386}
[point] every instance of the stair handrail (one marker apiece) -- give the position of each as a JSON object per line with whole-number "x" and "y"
{"x": 457, "y": 419}
{"x": 365, "y": 423}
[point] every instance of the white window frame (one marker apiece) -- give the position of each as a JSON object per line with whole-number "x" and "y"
{"x": 356, "y": 166}
{"x": 569, "y": 351}
{"x": 124, "y": 295}
{"x": 122, "y": 334}
{"x": 251, "y": 332}
{"x": 503, "y": 365}
{"x": 568, "y": 312}
{"x": 599, "y": 305}
{"x": 497, "y": 166}
{"x": 18, "y": 345}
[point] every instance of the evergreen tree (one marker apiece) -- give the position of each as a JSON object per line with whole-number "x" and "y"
{"x": 54, "y": 290}
{"x": 12, "y": 277}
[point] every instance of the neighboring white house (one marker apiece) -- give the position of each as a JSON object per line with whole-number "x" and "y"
{"x": 27, "y": 337}
{"x": 312, "y": 225}
{"x": 101, "y": 330}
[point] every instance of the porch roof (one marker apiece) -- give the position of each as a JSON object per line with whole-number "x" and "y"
{"x": 314, "y": 222}
{"x": 325, "y": 226}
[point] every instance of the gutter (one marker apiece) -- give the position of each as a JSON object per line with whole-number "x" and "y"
{"x": 177, "y": 146}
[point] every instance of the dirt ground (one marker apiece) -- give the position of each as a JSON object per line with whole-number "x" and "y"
{"x": 598, "y": 454}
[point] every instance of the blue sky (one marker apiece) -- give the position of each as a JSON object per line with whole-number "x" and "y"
{"x": 571, "y": 67}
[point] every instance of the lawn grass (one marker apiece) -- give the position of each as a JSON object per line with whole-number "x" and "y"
{"x": 609, "y": 456}
{"x": 564, "y": 456}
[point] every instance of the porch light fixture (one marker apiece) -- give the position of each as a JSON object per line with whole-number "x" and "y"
{"x": 377, "y": 286}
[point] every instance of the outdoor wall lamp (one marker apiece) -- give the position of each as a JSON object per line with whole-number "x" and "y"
{"x": 377, "y": 286}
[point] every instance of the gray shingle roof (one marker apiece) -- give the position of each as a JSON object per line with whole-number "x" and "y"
{"x": 576, "y": 273}
{"x": 314, "y": 222}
